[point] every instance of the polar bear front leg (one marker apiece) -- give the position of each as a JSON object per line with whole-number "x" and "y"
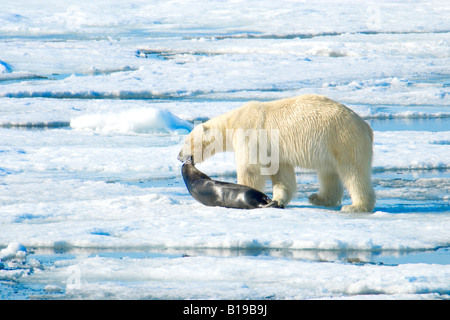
{"x": 284, "y": 184}
{"x": 250, "y": 176}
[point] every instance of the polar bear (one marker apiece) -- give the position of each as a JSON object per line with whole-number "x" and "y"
{"x": 308, "y": 131}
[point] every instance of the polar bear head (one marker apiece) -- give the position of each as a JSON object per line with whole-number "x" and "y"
{"x": 203, "y": 142}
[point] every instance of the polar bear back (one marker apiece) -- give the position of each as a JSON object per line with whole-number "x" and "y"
{"x": 314, "y": 131}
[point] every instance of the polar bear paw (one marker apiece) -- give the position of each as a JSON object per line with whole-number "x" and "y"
{"x": 317, "y": 200}
{"x": 354, "y": 209}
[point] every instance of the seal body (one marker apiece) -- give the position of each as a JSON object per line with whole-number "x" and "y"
{"x": 222, "y": 194}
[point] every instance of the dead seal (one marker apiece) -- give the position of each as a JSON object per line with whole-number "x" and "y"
{"x": 222, "y": 194}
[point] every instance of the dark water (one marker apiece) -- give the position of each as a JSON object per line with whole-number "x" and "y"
{"x": 410, "y": 124}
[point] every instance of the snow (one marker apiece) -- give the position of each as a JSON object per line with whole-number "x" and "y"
{"x": 133, "y": 121}
{"x": 13, "y": 250}
{"x": 171, "y": 278}
{"x": 95, "y": 99}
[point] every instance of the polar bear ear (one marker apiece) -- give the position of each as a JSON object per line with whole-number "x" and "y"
{"x": 205, "y": 128}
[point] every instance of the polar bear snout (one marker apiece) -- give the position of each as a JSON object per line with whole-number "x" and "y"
{"x": 186, "y": 152}
{"x": 183, "y": 157}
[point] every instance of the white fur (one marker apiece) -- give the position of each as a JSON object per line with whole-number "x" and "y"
{"x": 314, "y": 132}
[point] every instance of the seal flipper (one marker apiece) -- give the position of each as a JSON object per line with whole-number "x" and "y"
{"x": 273, "y": 204}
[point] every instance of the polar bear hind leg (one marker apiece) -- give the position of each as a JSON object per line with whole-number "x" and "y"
{"x": 359, "y": 186}
{"x": 330, "y": 190}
